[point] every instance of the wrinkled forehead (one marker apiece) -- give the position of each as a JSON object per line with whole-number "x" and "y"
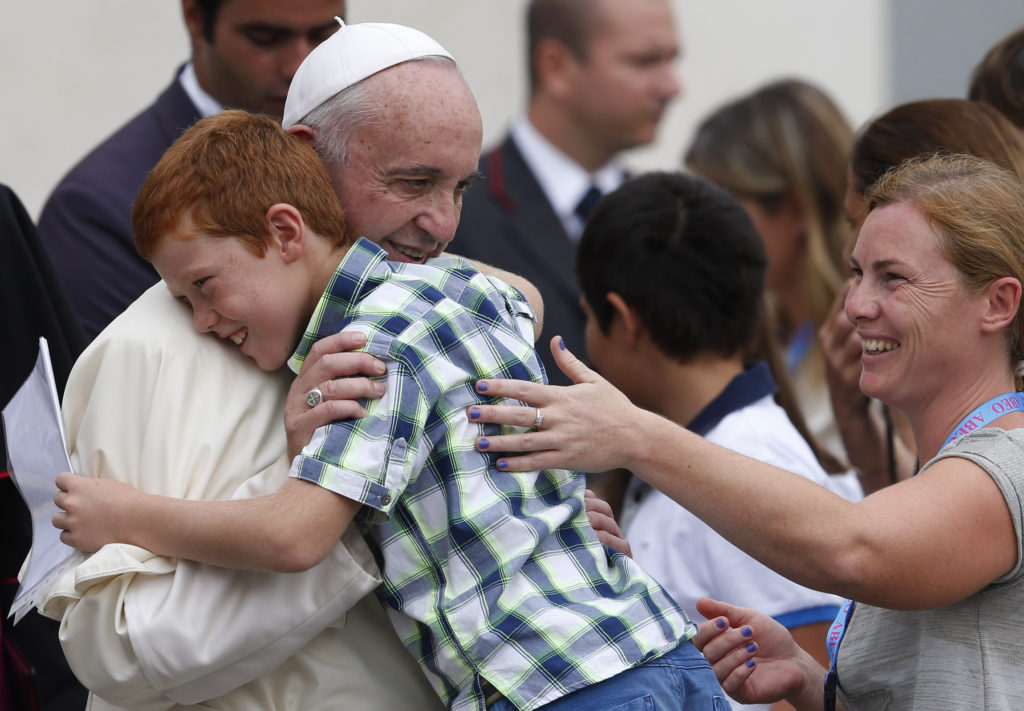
{"x": 423, "y": 85}
{"x": 898, "y": 230}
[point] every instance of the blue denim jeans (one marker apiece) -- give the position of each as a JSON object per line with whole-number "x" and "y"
{"x": 680, "y": 679}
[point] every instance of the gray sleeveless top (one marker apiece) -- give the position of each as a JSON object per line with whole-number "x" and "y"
{"x": 969, "y": 655}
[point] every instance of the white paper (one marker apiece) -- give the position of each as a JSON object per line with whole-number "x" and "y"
{"x": 37, "y": 453}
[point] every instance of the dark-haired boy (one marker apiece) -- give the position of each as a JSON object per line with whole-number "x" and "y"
{"x": 672, "y": 271}
{"x": 494, "y": 581}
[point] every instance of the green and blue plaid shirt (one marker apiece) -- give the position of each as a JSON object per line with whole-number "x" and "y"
{"x": 488, "y": 575}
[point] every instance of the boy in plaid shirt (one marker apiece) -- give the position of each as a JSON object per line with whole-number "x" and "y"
{"x": 495, "y": 581}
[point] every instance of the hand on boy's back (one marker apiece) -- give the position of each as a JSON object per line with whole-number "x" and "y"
{"x": 602, "y": 520}
{"x": 331, "y": 367}
{"x": 94, "y": 511}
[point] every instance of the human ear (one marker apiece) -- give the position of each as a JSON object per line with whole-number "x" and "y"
{"x": 303, "y": 133}
{"x": 632, "y": 326}
{"x": 553, "y": 64}
{"x": 1002, "y": 302}
{"x": 193, "y": 21}
{"x": 287, "y": 231}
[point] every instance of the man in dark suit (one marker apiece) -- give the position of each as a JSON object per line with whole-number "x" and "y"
{"x": 244, "y": 53}
{"x": 602, "y": 73}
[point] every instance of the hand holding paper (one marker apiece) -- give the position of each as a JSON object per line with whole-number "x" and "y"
{"x": 35, "y": 444}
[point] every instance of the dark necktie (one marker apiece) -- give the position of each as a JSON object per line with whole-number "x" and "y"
{"x": 587, "y": 203}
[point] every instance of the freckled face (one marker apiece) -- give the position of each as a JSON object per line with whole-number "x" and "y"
{"x": 915, "y": 318}
{"x": 258, "y": 303}
{"x": 407, "y": 169}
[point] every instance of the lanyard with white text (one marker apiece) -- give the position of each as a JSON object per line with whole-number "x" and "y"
{"x": 991, "y": 410}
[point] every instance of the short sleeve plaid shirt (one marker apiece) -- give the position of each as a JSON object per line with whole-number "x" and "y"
{"x": 488, "y": 575}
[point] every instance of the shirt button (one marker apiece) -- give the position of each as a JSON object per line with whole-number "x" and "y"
{"x": 386, "y": 499}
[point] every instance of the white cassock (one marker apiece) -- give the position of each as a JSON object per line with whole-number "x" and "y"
{"x": 170, "y": 411}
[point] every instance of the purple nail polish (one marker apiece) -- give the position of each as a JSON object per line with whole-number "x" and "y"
{"x": 746, "y": 631}
{"x": 751, "y": 664}
{"x": 720, "y": 623}
{"x": 482, "y": 443}
{"x": 751, "y": 647}
{"x": 481, "y": 387}
{"x": 474, "y": 413}
{"x": 502, "y": 464}
{"x": 561, "y": 343}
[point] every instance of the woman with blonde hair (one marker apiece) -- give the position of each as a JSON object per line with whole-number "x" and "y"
{"x": 782, "y": 152}
{"x": 934, "y": 562}
{"x": 908, "y": 130}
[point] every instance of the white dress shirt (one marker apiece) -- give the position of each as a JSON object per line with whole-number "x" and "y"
{"x": 562, "y": 179}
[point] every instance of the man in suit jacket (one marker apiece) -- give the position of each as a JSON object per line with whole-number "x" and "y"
{"x": 244, "y": 53}
{"x": 602, "y": 73}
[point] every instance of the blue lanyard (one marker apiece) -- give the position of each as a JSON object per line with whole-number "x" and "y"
{"x": 799, "y": 344}
{"x": 838, "y": 629}
{"x": 984, "y": 414}
{"x": 835, "y": 637}
{"x": 991, "y": 410}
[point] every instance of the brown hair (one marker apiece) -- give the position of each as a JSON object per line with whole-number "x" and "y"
{"x": 787, "y": 138}
{"x": 999, "y": 78}
{"x": 569, "y": 22}
{"x": 225, "y": 172}
{"x": 926, "y": 127}
{"x": 977, "y": 209}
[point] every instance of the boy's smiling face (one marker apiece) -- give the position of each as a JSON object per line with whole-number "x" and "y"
{"x": 261, "y": 304}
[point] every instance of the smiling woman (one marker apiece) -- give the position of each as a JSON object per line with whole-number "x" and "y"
{"x": 937, "y": 298}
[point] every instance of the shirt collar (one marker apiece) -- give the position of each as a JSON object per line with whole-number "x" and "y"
{"x": 745, "y": 389}
{"x": 206, "y": 104}
{"x": 561, "y": 178}
{"x": 350, "y": 281}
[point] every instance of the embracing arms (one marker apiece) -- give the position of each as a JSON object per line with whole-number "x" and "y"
{"x": 892, "y": 549}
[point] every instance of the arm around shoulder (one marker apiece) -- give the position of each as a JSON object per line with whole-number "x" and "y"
{"x": 526, "y": 288}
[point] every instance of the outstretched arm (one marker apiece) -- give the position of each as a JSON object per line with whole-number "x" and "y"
{"x": 526, "y": 288}
{"x": 887, "y": 550}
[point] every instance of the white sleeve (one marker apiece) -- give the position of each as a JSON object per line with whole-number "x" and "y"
{"x": 154, "y": 404}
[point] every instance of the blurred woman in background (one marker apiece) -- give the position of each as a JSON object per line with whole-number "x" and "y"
{"x": 782, "y": 152}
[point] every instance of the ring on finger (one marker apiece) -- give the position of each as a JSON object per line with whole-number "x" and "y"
{"x": 539, "y": 420}
{"x": 314, "y": 397}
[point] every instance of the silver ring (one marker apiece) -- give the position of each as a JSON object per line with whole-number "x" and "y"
{"x": 314, "y": 397}
{"x": 539, "y": 420}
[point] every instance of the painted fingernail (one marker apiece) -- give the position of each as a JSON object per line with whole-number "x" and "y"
{"x": 481, "y": 387}
{"x": 502, "y": 464}
{"x": 474, "y": 413}
{"x": 484, "y": 444}
{"x": 720, "y": 623}
{"x": 746, "y": 631}
{"x": 751, "y": 664}
{"x": 752, "y": 647}
{"x": 561, "y": 343}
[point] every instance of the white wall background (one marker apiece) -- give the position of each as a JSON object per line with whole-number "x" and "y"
{"x": 74, "y": 70}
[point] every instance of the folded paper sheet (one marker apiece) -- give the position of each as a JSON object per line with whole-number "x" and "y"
{"x": 37, "y": 453}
